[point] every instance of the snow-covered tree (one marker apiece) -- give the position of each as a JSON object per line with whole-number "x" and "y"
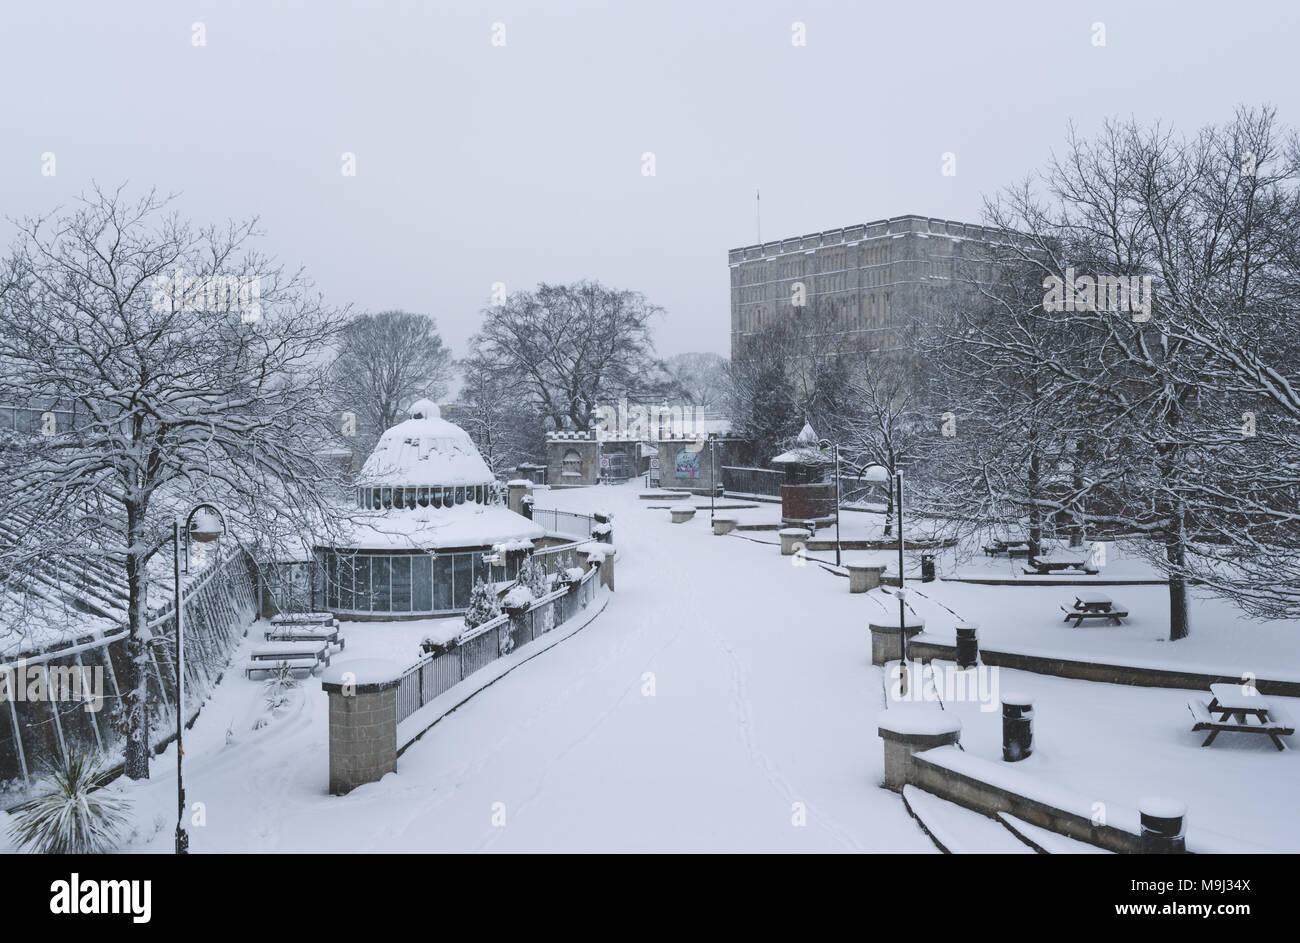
{"x": 569, "y": 349}
{"x": 483, "y": 605}
{"x": 385, "y": 362}
{"x": 182, "y": 395}
{"x": 505, "y": 430}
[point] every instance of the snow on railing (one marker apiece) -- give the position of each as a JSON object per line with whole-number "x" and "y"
{"x": 474, "y": 649}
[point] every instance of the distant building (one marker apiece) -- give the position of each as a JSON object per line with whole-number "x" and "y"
{"x": 870, "y": 278}
{"x": 665, "y": 443}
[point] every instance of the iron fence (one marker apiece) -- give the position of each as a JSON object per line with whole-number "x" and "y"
{"x": 435, "y": 673}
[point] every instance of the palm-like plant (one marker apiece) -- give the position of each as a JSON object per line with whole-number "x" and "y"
{"x": 70, "y": 815}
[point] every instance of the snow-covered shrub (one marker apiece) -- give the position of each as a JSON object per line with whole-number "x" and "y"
{"x": 519, "y": 597}
{"x": 533, "y": 575}
{"x": 279, "y": 681}
{"x": 70, "y": 816}
{"x": 483, "y": 605}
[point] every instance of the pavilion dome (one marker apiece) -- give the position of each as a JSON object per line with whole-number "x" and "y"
{"x": 424, "y": 451}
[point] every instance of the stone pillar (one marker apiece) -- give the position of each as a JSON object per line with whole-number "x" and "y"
{"x": 604, "y": 529}
{"x": 607, "y": 572}
{"x": 864, "y": 578}
{"x": 516, "y": 489}
{"x": 363, "y": 726}
{"x": 723, "y": 525}
{"x": 791, "y": 539}
{"x": 886, "y": 643}
{"x": 518, "y": 624}
{"x": 682, "y": 515}
{"x": 907, "y": 732}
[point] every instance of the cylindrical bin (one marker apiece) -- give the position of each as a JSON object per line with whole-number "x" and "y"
{"x": 927, "y": 568}
{"x": 968, "y": 646}
{"x": 1017, "y": 727}
{"x": 1162, "y": 827}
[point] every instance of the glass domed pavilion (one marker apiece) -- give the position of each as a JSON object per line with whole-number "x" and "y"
{"x": 428, "y": 525}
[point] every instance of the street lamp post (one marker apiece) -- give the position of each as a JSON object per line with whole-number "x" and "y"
{"x": 879, "y": 473}
{"x": 835, "y": 453}
{"x": 713, "y": 474}
{"x": 205, "y": 524}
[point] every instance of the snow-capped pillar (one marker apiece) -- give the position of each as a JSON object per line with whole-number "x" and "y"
{"x": 363, "y": 722}
{"x": 516, "y": 489}
{"x": 600, "y": 555}
{"x": 603, "y": 529}
{"x": 907, "y": 732}
{"x": 516, "y": 610}
{"x": 723, "y": 526}
{"x": 792, "y": 538}
{"x": 863, "y": 578}
{"x": 886, "y": 641}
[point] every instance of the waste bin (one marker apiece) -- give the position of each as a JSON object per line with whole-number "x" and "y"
{"x": 927, "y": 568}
{"x": 968, "y": 646}
{"x": 1017, "y": 727}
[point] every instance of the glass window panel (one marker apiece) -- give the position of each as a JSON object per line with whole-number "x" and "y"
{"x": 347, "y": 566}
{"x": 422, "y": 584}
{"x": 437, "y": 497}
{"x": 332, "y": 580}
{"x": 460, "y": 495}
{"x": 442, "y": 583}
{"x": 424, "y": 497}
{"x": 361, "y": 576}
{"x": 401, "y": 584}
{"x": 464, "y": 581}
{"x": 381, "y": 579}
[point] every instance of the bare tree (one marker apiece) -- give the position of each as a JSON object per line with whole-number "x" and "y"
{"x": 702, "y": 378}
{"x": 573, "y": 348}
{"x": 385, "y": 362}
{"x": 126, "y": 312}
{"x": 505, "y": 430}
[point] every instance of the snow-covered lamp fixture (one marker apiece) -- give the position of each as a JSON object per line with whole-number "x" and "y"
{"x": 205, "y": 524}
{"x": 875, "y": 472}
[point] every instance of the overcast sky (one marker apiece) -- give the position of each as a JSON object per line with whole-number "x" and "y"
{"x": 478, "y": 164}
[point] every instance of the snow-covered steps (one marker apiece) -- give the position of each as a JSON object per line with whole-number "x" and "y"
{"x": 960, "y": 831}
{"x": 1047, "y": 841}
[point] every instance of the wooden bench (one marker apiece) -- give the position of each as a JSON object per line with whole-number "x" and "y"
{"x": 1114, "y": 614}
{"x": 296, "y": 655}
{"x": 302, "y": 632}
{"x": 305, "y": 665}
{"x": 1276, "y": 726}
{"x": 1046, "y": 566}
{"x": 999, "y": 547}
{"x": 304, "y": 618}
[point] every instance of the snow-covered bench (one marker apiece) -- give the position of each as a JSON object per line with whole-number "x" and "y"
{"x": 305, "y": 632}
{"x": 299, "y": 655}
{"x": 304, "y": 618}
{"x": 1274, "y": 722}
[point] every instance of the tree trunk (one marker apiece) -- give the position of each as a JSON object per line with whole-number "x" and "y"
{"x": 1035, "y": 513}
{"x": 1176, "y": 555}
{"x": 135, "y": 697}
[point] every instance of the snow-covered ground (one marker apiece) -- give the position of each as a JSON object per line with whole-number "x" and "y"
{"x": 763, "y": 699}
{"x": 724, "y": 689}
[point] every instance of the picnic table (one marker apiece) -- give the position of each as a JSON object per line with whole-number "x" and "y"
{"x": 1088, "y": 605}
{"x": 304, "y": 655}
{"x": 304, "y": 618}
{"x": 1044, "y": 565}
{"x": 1012, "y": 549}
{"x": 1236, "y": 705}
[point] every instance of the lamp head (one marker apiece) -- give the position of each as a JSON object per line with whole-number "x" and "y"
{"x": 206, "y": 524}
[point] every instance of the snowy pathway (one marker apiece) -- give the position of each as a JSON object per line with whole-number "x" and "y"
{"x": 763, "y": 704}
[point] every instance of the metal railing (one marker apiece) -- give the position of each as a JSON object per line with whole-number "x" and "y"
{"x": 436, "y": 673}
{"x": 219, "y": 605}
{"x": 567, "y": 523}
